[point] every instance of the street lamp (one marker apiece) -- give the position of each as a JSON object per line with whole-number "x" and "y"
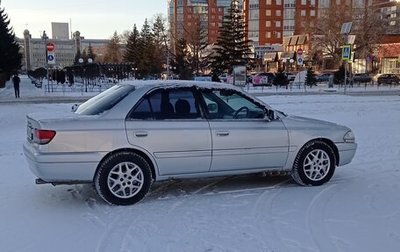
{"x": 134, "y": 72}
{"x": 45, "y": 38}
{"x": 291, "y": 63}
{"x": 83, "y": 76}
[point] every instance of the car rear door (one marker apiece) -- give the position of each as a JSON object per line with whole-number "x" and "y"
{"x": 167, "y": 123}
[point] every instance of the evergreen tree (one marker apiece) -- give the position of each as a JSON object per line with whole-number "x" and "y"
{"x": 146, "y": 51}
{"x": 281, "y": 78}
{"x": 84, "y": 55}
{"x": 338, "y": 77}
{"x": 10, "y": 57}
{"x": 181, "y": 65}
{"x": 160, "y": 40}
{"x": 231, "y": 47}
{"x": 311, "y": 80}
{"x": 132, "y": 47}
{"x": 90, "y": 53}
{"x": 113, "y": 50}
{"x": 78, "y": 55}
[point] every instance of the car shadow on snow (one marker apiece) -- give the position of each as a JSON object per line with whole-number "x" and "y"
{"x": 217, "y": 185}
{"x": 171, "y": 189}
{"x": 75, "y": 195}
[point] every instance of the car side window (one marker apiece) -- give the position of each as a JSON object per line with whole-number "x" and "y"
{"x": 229, "y": 104}
{"x": 167, "y": 104}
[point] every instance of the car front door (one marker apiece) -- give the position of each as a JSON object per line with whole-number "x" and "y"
{"x": 167, "y": 123}
{"x": 243, "y": 138}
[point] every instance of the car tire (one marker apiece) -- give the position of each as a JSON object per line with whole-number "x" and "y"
{"x": 314, "y": 164}
{"x": 123, "y": 178}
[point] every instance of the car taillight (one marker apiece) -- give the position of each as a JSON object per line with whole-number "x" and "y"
{"x": 43, "y": 136}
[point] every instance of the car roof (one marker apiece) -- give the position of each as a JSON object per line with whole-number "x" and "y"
{"x": 150, "y": 84}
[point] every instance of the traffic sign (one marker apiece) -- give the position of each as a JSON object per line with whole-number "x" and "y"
{"x": 50, "y": 47}
{"x": 346, "y": 52}
{"x": 300, "y": 60}
{"x": 299, "y": 51}
{"x": 51, "y": 58}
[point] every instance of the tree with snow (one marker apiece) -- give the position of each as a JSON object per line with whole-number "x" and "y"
{"x": 10, "y": 57}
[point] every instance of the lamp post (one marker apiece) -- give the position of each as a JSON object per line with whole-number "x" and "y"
{"x": 45, "y": 38}
{"x": 82, "y": 63}
{"x": 291, "y": 63}
{"x": 173, "y": 70}
{"x": 134, "y": 72}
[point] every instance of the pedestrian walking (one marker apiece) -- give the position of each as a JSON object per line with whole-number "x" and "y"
{"x": 16, "y": 80}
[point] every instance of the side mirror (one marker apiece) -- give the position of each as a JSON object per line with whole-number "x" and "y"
{"x": 74, "y": 107}
{"x": 270, "y": 114}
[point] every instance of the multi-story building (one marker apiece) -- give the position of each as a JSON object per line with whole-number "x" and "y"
{"x": 388, "y": 53}
{"x": 390, "y": 13}
{"x": 185, "y": 16}
{"x": 34, "y": 52}
{"x": 60, "y": 31}
{"x": 268, "y": 21}
{"x": 34, "y": 49}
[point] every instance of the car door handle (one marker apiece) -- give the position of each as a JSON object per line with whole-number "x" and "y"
{"x": 141, "y": 134}
{"x": 222, "y": 133}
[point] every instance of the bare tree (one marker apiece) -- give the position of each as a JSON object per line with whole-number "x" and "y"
{"x": 197, "y": 41}
{"x": 113, "y": 51}
{"x": 325, "y": 32}
{"x": 124, "y": 37}
{"x": 368, "y": 28}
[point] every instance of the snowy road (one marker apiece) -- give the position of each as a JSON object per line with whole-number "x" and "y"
{"x": 359, "y": 210}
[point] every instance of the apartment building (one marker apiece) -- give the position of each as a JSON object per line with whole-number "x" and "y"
{"x": 185, "y": 16}
{"x": 389, "y": 11}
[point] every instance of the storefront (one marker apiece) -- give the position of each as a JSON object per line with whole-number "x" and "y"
{"x": 389, "y": 58}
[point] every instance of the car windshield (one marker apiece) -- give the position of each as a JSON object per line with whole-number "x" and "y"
{"x": 105, "y": 100}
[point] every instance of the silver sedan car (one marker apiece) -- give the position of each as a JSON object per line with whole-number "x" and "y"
{"x": 133, "y": 134}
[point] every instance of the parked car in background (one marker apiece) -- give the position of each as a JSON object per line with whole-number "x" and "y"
{"x": 388, "y": 79}
{"x": 263, "y": 79}
{"x": 135, "y": 133}
{"x": 361, "y": 78}
{"x": 323, "y": 77}
{"x": 223, "y": 77}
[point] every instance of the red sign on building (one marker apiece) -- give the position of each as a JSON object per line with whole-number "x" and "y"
{"x": 50, "y": 47}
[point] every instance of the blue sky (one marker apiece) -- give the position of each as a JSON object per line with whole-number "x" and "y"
{"x": 93, "y": 18}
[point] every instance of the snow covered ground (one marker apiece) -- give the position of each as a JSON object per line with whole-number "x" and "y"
{"x": 359, "y": 210}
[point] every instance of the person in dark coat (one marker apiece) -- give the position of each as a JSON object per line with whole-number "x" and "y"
{"x": 16, "y": 80}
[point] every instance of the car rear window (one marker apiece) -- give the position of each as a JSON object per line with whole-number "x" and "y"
{"x": 105, "y": 100}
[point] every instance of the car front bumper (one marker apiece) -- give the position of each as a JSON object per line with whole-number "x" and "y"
{"x": 346, "y": 152}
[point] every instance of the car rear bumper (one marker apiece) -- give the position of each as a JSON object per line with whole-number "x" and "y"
{"x": 346, "y": 152}
{"x": 62, "y": 168}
